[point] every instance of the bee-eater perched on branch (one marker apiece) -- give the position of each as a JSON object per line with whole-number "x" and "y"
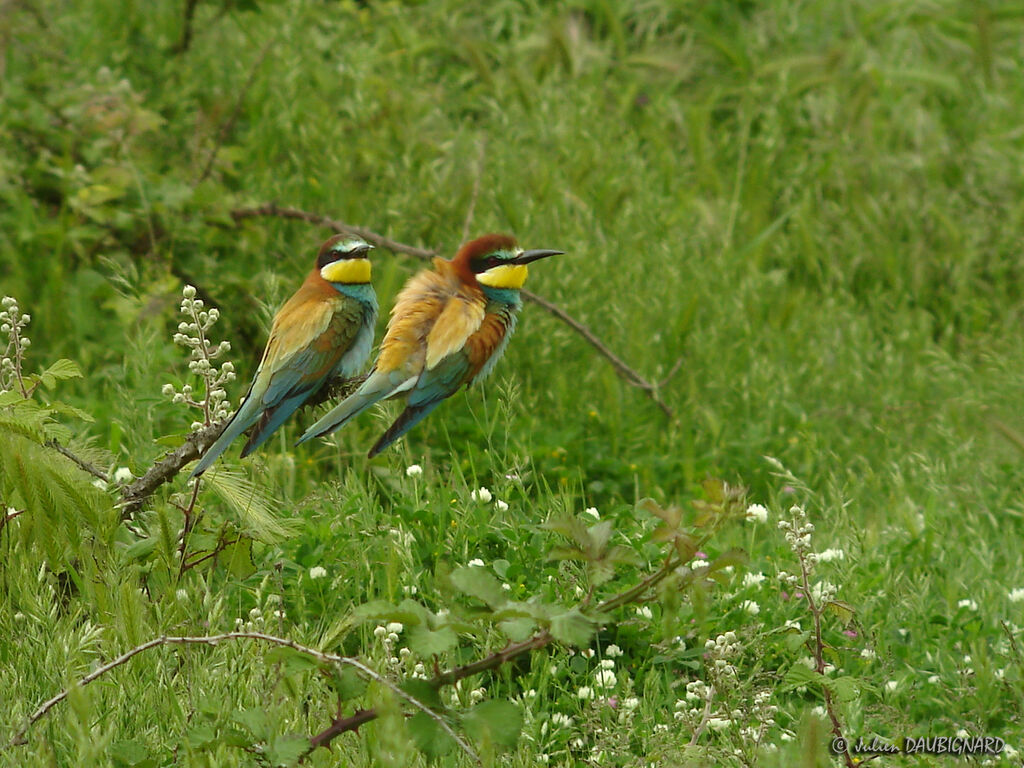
{"x": 324, "y": 330}
{"x": 448, "y": 327}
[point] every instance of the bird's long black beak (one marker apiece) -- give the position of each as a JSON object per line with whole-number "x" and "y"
{"x": 359, "y": 252}
{"x": 527, "y": 256}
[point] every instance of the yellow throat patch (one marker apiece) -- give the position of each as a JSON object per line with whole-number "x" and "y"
{"x": 504, "y": 276}
{"x": 347, "y": 271}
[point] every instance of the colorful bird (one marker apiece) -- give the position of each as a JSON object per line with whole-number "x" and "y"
{"x": 448, "y": 327}
{"x": 324, "y": 330}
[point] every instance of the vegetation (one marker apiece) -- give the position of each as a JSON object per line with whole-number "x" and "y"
{"x": 816, "y": 206}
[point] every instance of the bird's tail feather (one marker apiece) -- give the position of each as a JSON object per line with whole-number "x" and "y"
{"x": 377, "y": 387}
{"x": 406, "y": 420}
{"x": 271, "y": 420}
{"x": 241, "y": 421}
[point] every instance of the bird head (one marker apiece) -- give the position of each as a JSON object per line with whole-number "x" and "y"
{"x": 497, "y": 262}
{"x": 343, "y": 259}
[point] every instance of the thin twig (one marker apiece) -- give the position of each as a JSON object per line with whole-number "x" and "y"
{"x": 229, "y": 124}
{"x": 325, "y": 658}
{"x": 186, "y": 27}
{"x": 84, "y": 465}
{"x": 625, "y": 372}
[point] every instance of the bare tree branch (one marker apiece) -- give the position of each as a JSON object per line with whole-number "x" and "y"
{"x": 625, "y": 372}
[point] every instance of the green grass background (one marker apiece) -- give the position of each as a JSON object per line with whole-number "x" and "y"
{"x": 818, "y": 206}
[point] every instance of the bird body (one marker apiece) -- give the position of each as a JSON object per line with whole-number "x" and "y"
{"x": 449, "y": 327}
{"x": 324, "y": 330}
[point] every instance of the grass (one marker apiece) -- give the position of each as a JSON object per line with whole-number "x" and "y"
{"x": 816, "y": 205}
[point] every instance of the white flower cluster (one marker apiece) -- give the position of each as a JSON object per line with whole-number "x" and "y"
{"x": 388, "y": 636}
{"x": 483, "y": 495}
{"x": 757, "y": 513}
{"x": 192, "y": 334}
{"x": 798, "y": 532}
{"x": 12, "y": 322}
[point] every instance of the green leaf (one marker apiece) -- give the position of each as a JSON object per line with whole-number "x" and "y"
{"x": 60, "y": 370}
{"x": 140, "y": 549}
{"x": 844, "y": 611}
{"x": 845, "y": 688}
{"x": 796, "y": 640}
{"x": 130, "y": 753}
{"x": 672, "y": 516}
{"x": 518, "y": 629}
{"x": 599, "y": 534}
{"x": 800, "y": 674}
{"x": 348, "y": 683}
{"x": 201, "y": 736}
{"x": 293, "y": 660}
{"x": 496, "y": 721}
{"x": 425, "y": 693}
{"x": 732, "y": 557}
{"x": 253, "y": 720}
{"x": 287, "y": 750}
{"x": 573, "y": 628}
{"x": 427, "y": 642}
{"x": 428, "y": 736}
{"x": 237, "y": 557}
{"x": 479, "y": 583}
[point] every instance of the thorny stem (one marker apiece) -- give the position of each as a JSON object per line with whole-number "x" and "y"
{"x": 819, "y": 658}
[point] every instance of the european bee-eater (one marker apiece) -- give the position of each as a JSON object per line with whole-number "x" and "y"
{"x": 448, "y": 327}
{"x": 324, "y": 330}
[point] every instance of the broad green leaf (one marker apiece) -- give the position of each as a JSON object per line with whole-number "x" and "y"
{"x": 237, "y": 557}
{"x": 253, "y": 720}
{"x": 348, "y": 683}
{"x": 201, "y": 736}
{"x": 518, "y": 629}
{"x": 286, "y": 750}
{"x": 428, "y": 736}
{"x": 846, "y": 688}
{"x": 800, "y": 674}
{"x": 140, "y": 549}
{"x": 671, "y": 516}
{"x": 572, "y": 628}
{"x": 479, "y": 583}
{"x": 427, "y": 642}
{"x": 844, "y": 611}
{"x": 129, "y": 753}
{"x": 599, "y": 534}
{"x": 425, "y": 693}
{"x": 496, "y": 721}
{"x": 62, "y": 369}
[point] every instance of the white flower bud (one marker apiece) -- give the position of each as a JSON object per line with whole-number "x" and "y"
{"x": 189, "y": 292}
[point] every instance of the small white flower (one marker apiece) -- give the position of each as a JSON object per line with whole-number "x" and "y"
{"x": 607, "y": 664}
{"x": 696, "y": 565}
{"x": 868, "y": 654}
{"x": 968, "y": 604}
{"x": 933, "y": 679}
{"x": 892, "y": 685}
{"x": 818, "y": 710}
{"x": 501, "y": 505}
{"x": 612, "y": 651}
{"x": 477, "y": 562}
{"x": 631, "y": 703}
{"x": 506, "y": 587}
{"x": 182, "y": 594}
{"x": 751, "y": 607}
{"x": 317, "y": 572}
{"x": 753, "y": 579}
{"x": 605, "y": 678}
{"x": 1016, "y": 595}
{"x": 380, "y": 631}
{"x": 413, "y": 470}
{"x": 793, "y": 624}
{"x": 719, "y": 723}
{"x": 592, "y": 511}
{"x": 586, "y": 653}
{"x": 757, "y": 513}
{"x": 395, "y": 626}
{"x": 586, "y": 692}
{"x": 482, "y": 495}
{"x": 962, "y": 734}
{"x": 831, "y": 554}
{"x": 559, "y": 720}
{"x": 644, "y": 612}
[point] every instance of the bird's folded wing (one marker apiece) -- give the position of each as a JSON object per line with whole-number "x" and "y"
{"x": 304, "y": 348}
{"x": 460, "y": 319}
